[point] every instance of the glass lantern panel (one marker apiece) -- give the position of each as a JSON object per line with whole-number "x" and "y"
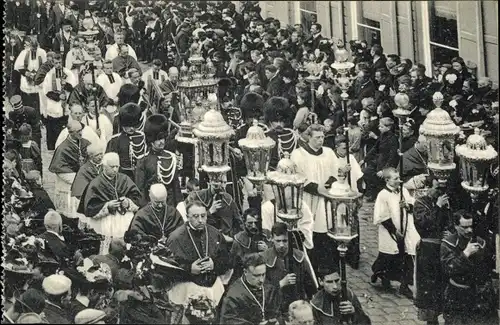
{"x": 211, "y": 154}
{"x": 341, "y": 223}
{"x": 447, "y": 152}
{"x": 224, "y": 153}
{"x": 432, "y": 149}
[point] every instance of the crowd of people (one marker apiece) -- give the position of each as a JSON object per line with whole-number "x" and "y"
{"x": 132, "y": 236}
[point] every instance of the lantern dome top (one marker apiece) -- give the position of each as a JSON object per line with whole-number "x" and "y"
{"x": 476, "y": 148}
{"x": 256, "y": 138}
{"x": 438, "y": 122}
{"x": 213, "y": 127}
{"x": 286, "y": 173}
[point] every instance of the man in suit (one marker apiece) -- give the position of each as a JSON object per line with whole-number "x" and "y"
{"x": 62, "y": 41}
{"x": 57, "y": 14}
{"x": 153, "y": 33}
{"x": 275, "y": 84}
{"x": 182, "y": 40}
{"x": 53, "y": 237}
{"x": 74, "y": 17}
{"x": 260, "y": 67}
{"x": 379, "y": 60}
{"x": 383, "y": 155}
{"x": 364, "y": 86}
{"x": 315, "y": 38}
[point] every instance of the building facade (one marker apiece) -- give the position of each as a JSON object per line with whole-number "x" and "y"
{"x": 423, "y": 31}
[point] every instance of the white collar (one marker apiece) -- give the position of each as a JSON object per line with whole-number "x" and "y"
{"x": 83, "y": 300}
{"x": 27, "y": 144}
{"x": 55, "y": 233}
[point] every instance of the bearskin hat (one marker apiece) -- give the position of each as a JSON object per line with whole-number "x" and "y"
{"x": 129, "y": 115}
{"x": 251, "y": 105}
{"x": 277, "y": 109}
{"x": 155, "y": 128}
{"x": 129, "y": 93}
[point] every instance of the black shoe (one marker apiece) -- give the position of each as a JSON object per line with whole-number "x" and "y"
{"x": 386, "y": 283}
{"x": 406, "y": 291}
{"x": 374, "y": 278}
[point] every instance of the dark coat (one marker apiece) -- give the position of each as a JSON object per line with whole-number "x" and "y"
{"x": 364, "y": 90}
{"x": 326, "y": 309}
{"x": 274, "y": 86}
{"x": 260, "y": 69}
{"x": 385, "y": 152}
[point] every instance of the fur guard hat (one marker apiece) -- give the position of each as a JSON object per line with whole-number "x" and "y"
{"x": 276, "y": 109}
{"x": 251, "y": 105}
{"x": 129, "y": 115}
{"x": 155, "y": 128}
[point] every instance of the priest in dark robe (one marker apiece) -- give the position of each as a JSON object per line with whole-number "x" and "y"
{"x": 124, "y": 62}
{"x": 253, "y": 239}
{"x": 291, "y": 274}
{"x": 159, "y": 165}
{"x": 415, "y": 167}
{"x": 328, "y": 304}
{"x": 68, "y": 157}
{"x": 110, "y": 201}
{"x": 242, "y": 304}
{"x": 86, "y": 90}
{"x": 88, "y": 171}
{"x": 129, "y": 144}
{"x": 434, "y": 221}
{"x": 202, "y": 252}
{"x": 222, "y": 209}
{"x": 157, "y": 219}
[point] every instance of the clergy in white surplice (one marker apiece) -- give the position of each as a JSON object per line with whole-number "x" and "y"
{"x": 155, "y": 75}
{"x": 77, "y": 114}
{"x": 57, "y": 85}
{"x": 114, "y": 50}
{"x": 110, "y": 81}
{"x": 27, "y": 63}
{"x": 77, "y": 56}
{"x": 355, "y": 169}
{"x": 318, "y": 164}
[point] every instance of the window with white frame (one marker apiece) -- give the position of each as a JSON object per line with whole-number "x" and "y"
{"x": 308, "y": 15}
{"x": 368, "y": 22}
{"x": 443, "y": 30}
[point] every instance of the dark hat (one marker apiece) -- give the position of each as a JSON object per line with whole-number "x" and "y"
{"x": 276, "y": 109}
{"x": 129, "y": 115}
{"x": 155, "y": 128}
{"x": 251, "y": 105}
{"x": 74, "y": 6}
{"x": 16, "y": 101}
{"x": 66, "y": 22}
{"x": 225, "y": 82}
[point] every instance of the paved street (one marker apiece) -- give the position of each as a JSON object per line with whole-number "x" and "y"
{"x": 382, "y": 307}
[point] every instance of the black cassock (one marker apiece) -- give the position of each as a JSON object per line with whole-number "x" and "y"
{"x": 159, "y": 223}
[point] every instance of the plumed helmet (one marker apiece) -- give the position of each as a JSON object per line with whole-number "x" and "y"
{"x": 251, "y": 105}
{"x": 130, "y": 115}
{"x": 155, "y": 128}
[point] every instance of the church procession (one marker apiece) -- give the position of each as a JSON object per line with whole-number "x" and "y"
{"x": 175, "y": 162}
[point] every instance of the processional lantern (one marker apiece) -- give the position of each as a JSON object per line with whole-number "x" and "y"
{"x": 213, "y": 134}
{"x": 197, "y": 87}
{"x": 288, "y": 188}
{"x": 476, "y": 157}
{"x": 440, "y": 132}
{"x": 343, "y": 67}
{"x": 341, "y": 210}
{"x": 256, "y": 148}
